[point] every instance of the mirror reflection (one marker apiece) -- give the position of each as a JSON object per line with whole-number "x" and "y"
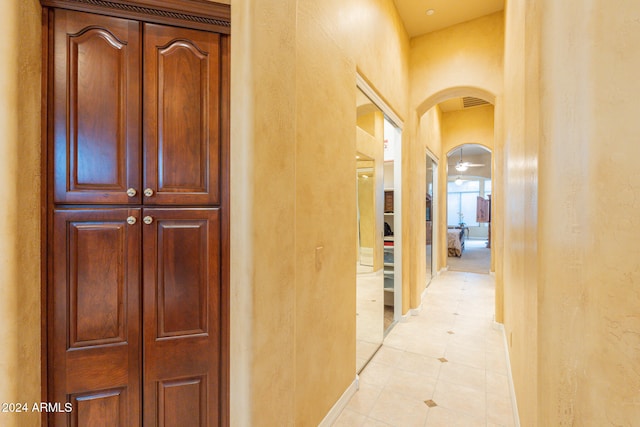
{"x": 370, "y": 194}
{"x": 429, "y": 217}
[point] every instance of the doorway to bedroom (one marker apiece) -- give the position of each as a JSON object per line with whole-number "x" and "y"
{"x": 469, "y": 187}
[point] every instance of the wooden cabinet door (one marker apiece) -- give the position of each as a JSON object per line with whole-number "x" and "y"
{"x": 182, "y": 318}
{"x": 96, "y": 109}
{"x": 94, "y": 317}
{"x": 181, "y": 116}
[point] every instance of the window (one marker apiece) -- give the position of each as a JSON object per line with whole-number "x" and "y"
{"x": 461, "y": 200}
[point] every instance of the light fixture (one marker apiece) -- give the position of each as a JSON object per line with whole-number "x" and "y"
{"x": 430, "y": 12}
{"x": 461, "y": 167}
{"x": 458, "y": 181}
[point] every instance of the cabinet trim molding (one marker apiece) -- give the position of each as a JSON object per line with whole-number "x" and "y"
{"x": 197, "y": 14}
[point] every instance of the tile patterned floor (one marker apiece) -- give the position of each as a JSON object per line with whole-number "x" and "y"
{"x": 444, "y": 367}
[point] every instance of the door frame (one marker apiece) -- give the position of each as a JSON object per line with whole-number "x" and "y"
{"x": 435, "y": 217}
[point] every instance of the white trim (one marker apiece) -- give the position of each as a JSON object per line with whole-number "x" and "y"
{"x": 514, "y": 403}
{"x": 416, "y": 311}
{"x": 377, "y": 99}
{"x": 339, "y": 406}
{"x": 435, "y": 217}
{"x": 397, "y": 225}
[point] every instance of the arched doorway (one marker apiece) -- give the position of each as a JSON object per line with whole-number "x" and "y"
{"x": 469, "y": 188}
{"x": 448, "y": 119}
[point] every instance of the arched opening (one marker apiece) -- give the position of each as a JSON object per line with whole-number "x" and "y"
{"x": 448, "y": 119}
{"x": 469, "y": 189}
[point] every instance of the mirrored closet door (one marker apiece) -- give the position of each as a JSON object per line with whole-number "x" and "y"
{"x": 377, "y": 280}
{"x": 369, "y": 193}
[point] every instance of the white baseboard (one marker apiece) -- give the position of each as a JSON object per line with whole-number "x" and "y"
{"x": 416, "y": 311}
{"x": 339, "y": 406}
{"x": 413, "y": 311}
{"x": 514, "y": 403}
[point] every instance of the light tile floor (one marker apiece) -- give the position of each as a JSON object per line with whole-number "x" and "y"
{"x": 444, "y": 367}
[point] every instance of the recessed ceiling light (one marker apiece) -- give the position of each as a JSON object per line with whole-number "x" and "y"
{"x": 431, "y": 12}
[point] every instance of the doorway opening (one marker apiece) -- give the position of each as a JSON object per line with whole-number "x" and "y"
{"x": 469, "y": 188}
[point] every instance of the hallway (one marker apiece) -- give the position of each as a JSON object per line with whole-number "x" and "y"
{"x": 444, "y": 367}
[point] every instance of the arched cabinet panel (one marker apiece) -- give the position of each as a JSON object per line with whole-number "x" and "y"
{"x": 182, "y": 130}
{"x": 96, "y": 108}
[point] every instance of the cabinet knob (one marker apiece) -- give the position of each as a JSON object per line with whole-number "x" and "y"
{"x": 131, "y": 192}
{"x": 148, "y": 192}
{"x": 131, "y": 220}
{"x": 147, "y": 220}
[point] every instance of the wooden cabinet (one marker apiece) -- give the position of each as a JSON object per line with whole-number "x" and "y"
{"x": 98, "y": 141}
{"x": 181, "y": 116}
{"x": 137, "y": 212}
{"x": 94, "y": 317}
{"x": 96, "y": 78}
{"x": 181, "y": 316}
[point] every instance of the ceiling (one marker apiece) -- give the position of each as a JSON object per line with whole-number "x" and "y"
{"x": 445, "y": 13}
{"x": 472, "y": 153}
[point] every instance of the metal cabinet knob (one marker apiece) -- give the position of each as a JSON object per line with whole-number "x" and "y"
{"x": 131, "y": 220}
{"x": 148, "y": 192}
{"x": 147, "y": 220}
{"x": 131, "y": 192}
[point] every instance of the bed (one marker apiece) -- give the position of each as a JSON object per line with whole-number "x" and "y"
{"x": 455, "y": 241}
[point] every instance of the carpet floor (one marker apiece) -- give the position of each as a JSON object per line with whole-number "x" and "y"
{"x": 476, "y": 258}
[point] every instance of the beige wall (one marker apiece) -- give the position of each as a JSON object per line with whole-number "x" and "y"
{"x": 589, "y": 281}
{"x": 469, "y": 126}
{"x": 467, "y": 56}
{"x": 520, "y": 146}
{"x": 293, "y": 153}
{"x": 20, "y": 218}
{"x": 570, "y": 169}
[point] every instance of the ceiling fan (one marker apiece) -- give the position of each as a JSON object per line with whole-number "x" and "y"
{"x": 463, "y": 166}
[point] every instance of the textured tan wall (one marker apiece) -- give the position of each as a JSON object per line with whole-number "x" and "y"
{"x": 467, "y": 55}
{"x": 20, "y": 214}
{"x": 472, "y": 126}
{"x": 570, "y": 160}
{"x": 589, "y": 281}
{"x": 294, "y": 204}
{"x": 520, "y": 147}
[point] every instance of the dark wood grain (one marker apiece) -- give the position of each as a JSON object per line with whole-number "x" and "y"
{"x": 95, "y": 295}
{"x": 181, "y": 116}
{"x": 225, "y": 121}
{"x": 199, "y": 14}
{"x": 181, "y": 349}
{"x": 96, "y": 109}
{"x": 100, "y": 409}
